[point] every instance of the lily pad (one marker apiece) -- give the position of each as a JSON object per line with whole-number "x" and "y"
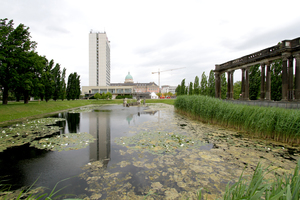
{"x": 26, "y": 132}
{"x": 159, "y": 142}
{"x": 65, "y": 142}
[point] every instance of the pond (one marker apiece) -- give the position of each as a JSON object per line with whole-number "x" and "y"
{"x": 112, "y": 152}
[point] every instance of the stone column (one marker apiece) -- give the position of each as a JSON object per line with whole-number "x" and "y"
{"x": 284, "y": 76}
{"x": 247, "y": 83}
{"x": 268, "y": 82}
{"x": 217, "y": 85}
{"x": 290, "y": 79}
{"x": 262, "y": 82}
{"x": 297, "y": 77}
{"x": 228, "y": 85}
{"x": 231, "y": 84}
{"x": 243, "y": 83}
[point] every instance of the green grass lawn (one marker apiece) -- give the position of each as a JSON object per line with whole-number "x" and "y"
{"x": 19, "y": 110}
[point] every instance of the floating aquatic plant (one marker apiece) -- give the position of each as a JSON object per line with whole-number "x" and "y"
{"x": 65, "y": 142}
{"x": 85, "y": 109}
{"x": 26, "y": 132}
{"x": 159, "y": 142}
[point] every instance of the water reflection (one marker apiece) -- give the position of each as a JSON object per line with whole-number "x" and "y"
{"x": 99, "y": 128}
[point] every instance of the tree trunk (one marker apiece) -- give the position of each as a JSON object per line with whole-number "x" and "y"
{"x": 5, "y": 96}
{"x": 26, "y": 97}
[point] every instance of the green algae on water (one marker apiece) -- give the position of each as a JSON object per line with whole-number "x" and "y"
{"x": 65, "y": 142}
{"x": 159, "y": 142}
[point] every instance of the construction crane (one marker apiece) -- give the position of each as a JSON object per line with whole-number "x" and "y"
{"x": 164, "y": 71}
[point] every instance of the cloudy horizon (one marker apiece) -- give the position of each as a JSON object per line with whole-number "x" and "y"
{"x": 146, "y": 36}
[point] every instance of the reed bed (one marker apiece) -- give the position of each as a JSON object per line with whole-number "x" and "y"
{"x": 268, "y": 122}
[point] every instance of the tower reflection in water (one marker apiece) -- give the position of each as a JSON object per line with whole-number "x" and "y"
{"x": 99, "y": 127}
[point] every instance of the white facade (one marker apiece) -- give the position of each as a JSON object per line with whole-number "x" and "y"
{"x": 99, "y": 59}
{"x": 168, "y": 88}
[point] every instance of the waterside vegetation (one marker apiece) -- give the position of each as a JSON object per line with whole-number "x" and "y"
{"x": 267, "y": 122}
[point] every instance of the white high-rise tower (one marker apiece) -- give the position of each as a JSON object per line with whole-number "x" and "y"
{"x": 99, "y": 59}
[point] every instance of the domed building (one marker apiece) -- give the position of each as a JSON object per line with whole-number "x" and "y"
{"x": 128, "y": 78}
{"x": 138, "y": 90}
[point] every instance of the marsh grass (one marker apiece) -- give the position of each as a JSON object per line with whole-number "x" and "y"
{"x": 268, "y": 122}
{"x": 32, "y": 194}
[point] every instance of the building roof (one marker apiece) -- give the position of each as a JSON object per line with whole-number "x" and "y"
{"x": 128, "y": 76}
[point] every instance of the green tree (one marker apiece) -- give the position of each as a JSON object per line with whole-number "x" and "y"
{"x": 276, "y": 80}
{"x": 237, "y": 89}
{"x": 191, "y": 91}
{"x": 203, "y": 84}
{"x": 56, "y": 74}
{"x": 108, "y": 95}
{"x": 211, "y": 84}
{"x": 29, "y": 72}
{"x": 73, "y": 86}
{"x": 47, "y": 80}
{"x": 196, "y": 86}
{"x": 223, "y": 86}
{"x": 182, "y": 87}
{"x": 97, "y": 96}
{"x": 63, "y": 85}
{"x": 14, "y": 43}
{"x": 254, "y": 82}
{"x": 178, "y": 90}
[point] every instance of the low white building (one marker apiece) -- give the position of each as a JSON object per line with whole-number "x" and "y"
{"x": 168, "y": 88}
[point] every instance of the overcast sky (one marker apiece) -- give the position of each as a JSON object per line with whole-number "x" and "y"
{"x": 145, "y": 36}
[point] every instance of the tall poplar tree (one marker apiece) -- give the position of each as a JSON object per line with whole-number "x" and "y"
{"x": 63, "y": 85}
{"x": 182, "y": 87}
{"x": 56, "y": 74}
{"x": 211, "y": 84}
{"x": 203, "y": 84}
{"x": 223, "y": 86}
{"x": 191, "y": 90}
{"x": 196, "y": 86}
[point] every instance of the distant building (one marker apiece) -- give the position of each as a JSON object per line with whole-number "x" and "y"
{"x": 168, "y": 88}
{"x": 139, "y": 90}
{"x": 99, "y": 59}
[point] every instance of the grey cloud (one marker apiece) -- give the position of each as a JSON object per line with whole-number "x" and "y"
{"x": 272, "y": 37}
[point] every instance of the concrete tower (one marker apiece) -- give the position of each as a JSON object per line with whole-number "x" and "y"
{"x": 99, "y": 59}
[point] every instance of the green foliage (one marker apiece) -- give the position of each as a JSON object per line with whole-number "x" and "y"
{"x": 63, "y": 85}
{"x": 178, "y": 90}
{"x": 73, "y": 86}
{"x": 108, "y": 95}
{"x": 191, "y": 90}
{"x": 196, "y": 86}
{"x": 223, "y": 86}
{"x": 276, "y": 80}
{"x": 183, "y": 90}
{"x": 124, "y": 96}
{"x": 47, "y": 80}
{"x": 260, "y": 188}
{"x": 211, "y": 84}
{"x": 203, "y": 84}
{"x": 268, "y": 122}
{"x": 15, "y": 45}
{"x": 97, "y": 96}
{"x": 254, "y": 82}
{"x": 56, "y": 74}
{"x": 237, "y": 89}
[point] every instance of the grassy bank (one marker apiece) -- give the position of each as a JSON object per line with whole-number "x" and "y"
{"x": 19, "y": 110}
{"x": 268, "y": 122}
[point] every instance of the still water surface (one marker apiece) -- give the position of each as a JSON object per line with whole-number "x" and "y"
{"x": 121, "y": 163}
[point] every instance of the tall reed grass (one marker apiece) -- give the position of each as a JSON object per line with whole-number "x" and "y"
{"x": 269, "y": 122}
